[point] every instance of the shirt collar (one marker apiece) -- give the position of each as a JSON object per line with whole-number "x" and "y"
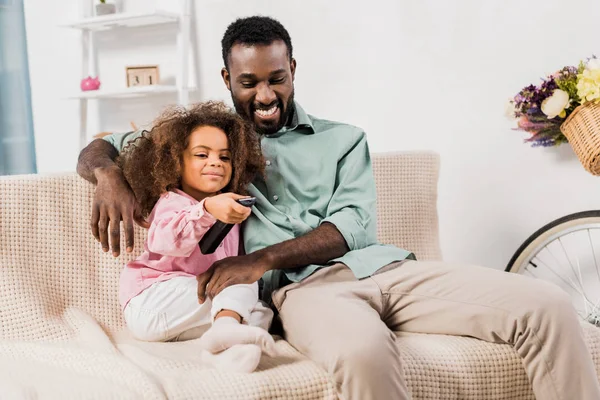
{"x": 301, "y": 120}
{"x": 184, "y": 194}
{"x": 301, "y": 123}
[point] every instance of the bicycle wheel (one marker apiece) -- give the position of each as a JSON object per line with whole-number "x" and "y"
{"x": 566, "y": 252}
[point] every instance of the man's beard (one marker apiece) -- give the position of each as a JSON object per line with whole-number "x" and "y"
{"x": 267, "y": 130}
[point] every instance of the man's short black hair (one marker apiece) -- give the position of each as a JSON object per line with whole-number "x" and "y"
{"x": 252, "y": 31}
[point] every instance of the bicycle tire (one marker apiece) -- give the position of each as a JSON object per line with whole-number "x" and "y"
{"x": 538, "y": 238}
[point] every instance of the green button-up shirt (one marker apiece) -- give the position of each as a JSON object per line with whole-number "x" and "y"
{"x": 316, "y": 171}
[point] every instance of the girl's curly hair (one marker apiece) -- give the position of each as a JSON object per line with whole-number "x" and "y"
{"x": 152, "y": 163}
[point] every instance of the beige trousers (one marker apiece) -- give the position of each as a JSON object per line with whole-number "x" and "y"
{"x": 346, "y": 325}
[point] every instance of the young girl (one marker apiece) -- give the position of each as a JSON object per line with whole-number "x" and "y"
{"x": 186, "y": 174}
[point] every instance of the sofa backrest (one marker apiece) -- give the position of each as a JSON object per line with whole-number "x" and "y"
{"x": 50, "y": 261}
{"x": 407, "y": 184}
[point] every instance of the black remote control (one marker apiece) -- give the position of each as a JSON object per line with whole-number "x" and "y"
{"x": 215, "y": 235}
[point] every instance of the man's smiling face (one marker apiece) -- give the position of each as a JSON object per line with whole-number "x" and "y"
{"x": 261, "y": 81}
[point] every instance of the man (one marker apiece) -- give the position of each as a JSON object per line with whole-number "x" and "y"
{"x": 312, "y": 238}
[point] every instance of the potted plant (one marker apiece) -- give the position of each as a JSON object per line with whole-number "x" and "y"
{"x": 105, "y": 8}
{"x": 564, "y": 108}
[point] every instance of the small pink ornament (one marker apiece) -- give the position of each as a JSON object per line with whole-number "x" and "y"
{"x": 90, "y": 83}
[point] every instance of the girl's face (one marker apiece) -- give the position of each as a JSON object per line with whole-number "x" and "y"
{"x": 206, "y": 163}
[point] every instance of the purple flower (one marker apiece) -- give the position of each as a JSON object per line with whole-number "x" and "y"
{"x": 528, "y": 101}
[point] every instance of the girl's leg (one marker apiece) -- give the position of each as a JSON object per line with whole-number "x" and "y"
{"x": 261, "y": 316}
{"x": 169, "y": 310}
{"x": 227, "y": 331}
{"x": 166, "y": 310}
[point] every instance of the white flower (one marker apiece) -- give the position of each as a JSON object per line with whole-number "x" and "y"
{"x": 509, "y": 109}
{"x": 555, "y": 105}
{"x": 593, "y": 63}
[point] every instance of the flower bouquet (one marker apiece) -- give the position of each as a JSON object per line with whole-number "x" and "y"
{"x": 564, "y": 107}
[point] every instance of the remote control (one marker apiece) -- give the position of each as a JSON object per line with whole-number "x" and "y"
{"x": 215, "y": 235}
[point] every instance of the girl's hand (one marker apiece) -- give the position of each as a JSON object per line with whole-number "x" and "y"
{"x": 225, "y": 208}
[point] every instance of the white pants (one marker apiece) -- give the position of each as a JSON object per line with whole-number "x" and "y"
{"x": 169, "y": 310}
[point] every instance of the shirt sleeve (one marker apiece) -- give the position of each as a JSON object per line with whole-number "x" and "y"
{"x": 352, "y": 208}
{"x": 177, "y": 226}
{"x": 120, "y": 140}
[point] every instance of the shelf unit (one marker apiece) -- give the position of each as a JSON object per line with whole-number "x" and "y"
{"x": 123, "y": 20}
{"x": 136, "y": 91}
{"x": 89, "y": 25}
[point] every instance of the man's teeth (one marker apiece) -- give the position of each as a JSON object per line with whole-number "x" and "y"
{"x": 267, "y": 113}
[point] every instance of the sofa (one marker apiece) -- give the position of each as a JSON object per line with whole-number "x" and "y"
{"x": 62, "y": 335}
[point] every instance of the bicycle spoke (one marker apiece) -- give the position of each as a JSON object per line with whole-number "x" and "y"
{"x": 556, "y": 273}
{"x": 568, "y": 259}
{"x": 547, "y": 248}
{"x": 568, "y": 281}
{"x": 528, "y": 272}
{"x": 579, "y": 275}
{"x": 594, "y": 254}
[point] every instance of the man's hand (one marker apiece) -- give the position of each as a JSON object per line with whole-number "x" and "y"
{"x": 231, "y": 271}
{"x": 114, "y": 202}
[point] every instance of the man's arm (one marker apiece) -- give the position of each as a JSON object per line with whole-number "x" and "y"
{"x": 114, "y": 200}
{"x": 319, "y": 246}
{"x": 97, "y": 155}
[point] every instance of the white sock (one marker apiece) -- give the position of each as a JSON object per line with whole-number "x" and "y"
{"x": 226, "y": 332}
{"x": 239, "y": 358}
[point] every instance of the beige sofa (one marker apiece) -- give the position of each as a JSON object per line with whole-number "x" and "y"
{"x": 62, "y": 336}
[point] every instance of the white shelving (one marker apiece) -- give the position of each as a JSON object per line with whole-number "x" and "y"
{"x": 136, "y": 91}
{"x": 123, "y": 20}
{"x": 90, "y": 25}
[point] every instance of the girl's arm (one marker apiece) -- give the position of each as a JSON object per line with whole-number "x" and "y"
{"x": 177, "y": 226}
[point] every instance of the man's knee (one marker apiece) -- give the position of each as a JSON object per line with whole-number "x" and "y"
{"x": 548, "y": 304}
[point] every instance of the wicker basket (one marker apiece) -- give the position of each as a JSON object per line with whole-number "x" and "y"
{"x": 582, "y": 129}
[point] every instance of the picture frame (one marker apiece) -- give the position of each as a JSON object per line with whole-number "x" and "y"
{"x": 142, "y": 75}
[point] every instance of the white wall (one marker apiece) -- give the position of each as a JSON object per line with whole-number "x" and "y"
{"x": 415, "y": 75}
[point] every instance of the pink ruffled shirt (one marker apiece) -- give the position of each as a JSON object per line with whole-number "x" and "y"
{"x": 177, "y": 223}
